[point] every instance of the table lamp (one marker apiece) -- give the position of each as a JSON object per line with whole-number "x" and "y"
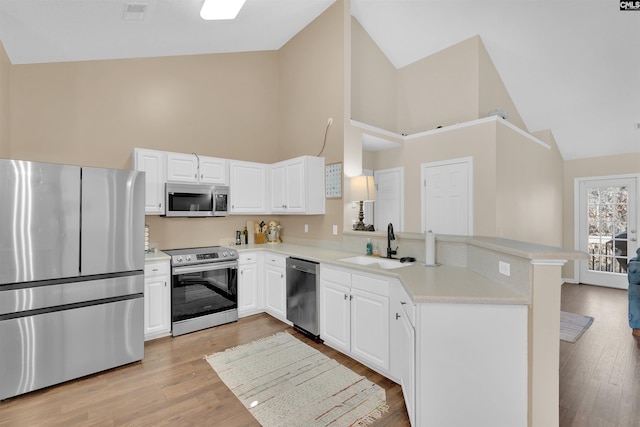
{"x": 362, "y": 190}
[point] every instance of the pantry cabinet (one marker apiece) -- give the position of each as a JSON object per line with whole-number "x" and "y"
{"x": 247, "y": 187}
{"x": 297, "y": 186}
{"x": 354, "y": 315}
{"x": 249, "y": 292}
{"x": 157, "y": 299}
{"x": 151, "y": 162}
{"x": 191, "y": 168}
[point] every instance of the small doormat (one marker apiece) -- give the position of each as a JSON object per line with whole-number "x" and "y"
{"x": 572, "y": 326}
{"x": 284, "y": 382}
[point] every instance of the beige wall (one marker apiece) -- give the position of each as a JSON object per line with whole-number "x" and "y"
{"x": 5, "y": 84}
{"x": 477, "y": 142}
{"x": 439, "y": 90}
{"x": 528, "y": 188}
{"x": 312, "y": 87}
{"x": 583, "y": 168}
{"x": 493, "y": 95}
{"x": 374, "y": 82}
{"x": 95, "y": 112}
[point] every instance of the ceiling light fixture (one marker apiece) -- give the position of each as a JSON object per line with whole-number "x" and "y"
{"x": 221, "y": 9}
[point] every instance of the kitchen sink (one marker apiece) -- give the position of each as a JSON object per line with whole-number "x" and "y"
{"x": 370, "y": 261}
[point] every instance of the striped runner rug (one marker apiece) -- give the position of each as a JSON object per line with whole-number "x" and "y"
{"x": 284, "y": 382}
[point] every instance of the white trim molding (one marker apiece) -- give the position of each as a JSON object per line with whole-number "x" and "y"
{"x": 403, "y": 137}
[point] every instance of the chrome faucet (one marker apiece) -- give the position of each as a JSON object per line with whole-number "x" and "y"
{"x": 390, "y": 237}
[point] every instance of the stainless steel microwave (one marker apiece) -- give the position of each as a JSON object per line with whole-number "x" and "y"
{"x": 196, "y": 200}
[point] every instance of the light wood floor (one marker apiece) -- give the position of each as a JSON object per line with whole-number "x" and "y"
{"x": 174, "y": 385}
{"x": 600, "y": 373}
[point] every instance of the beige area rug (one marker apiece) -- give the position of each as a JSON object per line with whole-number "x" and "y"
{"x": 572, "y": 326}
{"x": 284, "y": 382}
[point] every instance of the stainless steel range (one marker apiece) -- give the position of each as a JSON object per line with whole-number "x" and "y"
{"x": 204, "y": 288}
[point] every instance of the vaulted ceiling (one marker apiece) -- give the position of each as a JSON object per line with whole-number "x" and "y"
{"x": 572, "y": 66}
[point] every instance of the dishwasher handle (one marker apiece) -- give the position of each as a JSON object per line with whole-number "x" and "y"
{"x": 303, "y": 266}
{"x": 302, "y": 269}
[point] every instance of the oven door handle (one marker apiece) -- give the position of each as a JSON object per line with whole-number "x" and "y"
{"x": 205, "y": 267}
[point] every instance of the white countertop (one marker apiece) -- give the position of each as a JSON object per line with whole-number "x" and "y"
{"x": 443, "y": 284}
{"x": 156, "y": 256}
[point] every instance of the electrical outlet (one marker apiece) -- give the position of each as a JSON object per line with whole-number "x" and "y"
{"x": 306, "y": 228}
{"x": 335, "y": 230}
{"x": 504, "y": 268}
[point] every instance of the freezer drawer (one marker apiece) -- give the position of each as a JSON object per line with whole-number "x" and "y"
{"x": 30, "y": 297}
{"x": 47, "y": 349}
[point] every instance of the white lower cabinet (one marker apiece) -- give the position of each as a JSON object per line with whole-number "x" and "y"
{"x": 275, "y": 297}
{"x": 403, "y": 344}
{"x": 354, "y": 315}
{"x": 249, "y": 292}
{"x": 157, "y": 299}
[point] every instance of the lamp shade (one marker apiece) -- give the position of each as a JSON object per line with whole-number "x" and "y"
{"x": 362, "y": 189}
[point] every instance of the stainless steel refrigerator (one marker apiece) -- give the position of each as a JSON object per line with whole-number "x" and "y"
{"x": 71, "y": 272}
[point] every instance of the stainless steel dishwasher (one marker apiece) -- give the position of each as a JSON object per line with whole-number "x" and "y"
{"x": 302, "y": 295}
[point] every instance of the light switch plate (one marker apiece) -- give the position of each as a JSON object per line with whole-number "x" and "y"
{"x": 335, "y": 230}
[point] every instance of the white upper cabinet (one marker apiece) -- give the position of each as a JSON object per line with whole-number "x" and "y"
{"x": 297, "y": 186}
{"x": 182, "y": 167}
{"x": 294, "y": 186}
{"x": 192, "y": 168}
{"x": 247, "y": 187}
{"x": 151, "y": 162}
{"x": 213, "y": 170}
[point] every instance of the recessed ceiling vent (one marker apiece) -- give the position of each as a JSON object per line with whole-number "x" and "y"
{"x": 134, "y": 11}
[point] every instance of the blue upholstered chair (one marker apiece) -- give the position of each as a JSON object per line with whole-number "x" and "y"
{"x": 633, "y": 272}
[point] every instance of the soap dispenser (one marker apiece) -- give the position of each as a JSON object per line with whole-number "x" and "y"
{"x": 369, "y": 247}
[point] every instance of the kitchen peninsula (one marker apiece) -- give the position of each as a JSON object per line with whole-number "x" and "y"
{"x": 469, "y": 345}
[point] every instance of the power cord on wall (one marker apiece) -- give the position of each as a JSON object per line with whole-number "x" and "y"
{"x": 329, "y": 123}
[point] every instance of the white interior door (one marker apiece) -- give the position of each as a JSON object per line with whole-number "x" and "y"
{"x": 389, "y": 204}
{"x": 447, "y": 190}
{"x": 607, "y": 210}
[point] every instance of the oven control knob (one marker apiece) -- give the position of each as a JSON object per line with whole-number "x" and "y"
{"x": 188, "y": 258}
{"x": 179, "y": 259}
{"x": 224, "y": 254}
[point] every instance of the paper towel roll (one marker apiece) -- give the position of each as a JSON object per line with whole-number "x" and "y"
{"x": 430, "y": 248}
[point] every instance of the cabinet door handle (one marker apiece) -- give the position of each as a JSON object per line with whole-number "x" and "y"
{"x": 403, "y": 302}
{"x": 282, "y": 276}
{"x": 346, "y": 296}
{"x": 165, "y": 284}
{"x": 350, "y": 297}
{"x": 155, "y": 269}
{"x": 398, "y": 316}
{"x": 159, "y": 205}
